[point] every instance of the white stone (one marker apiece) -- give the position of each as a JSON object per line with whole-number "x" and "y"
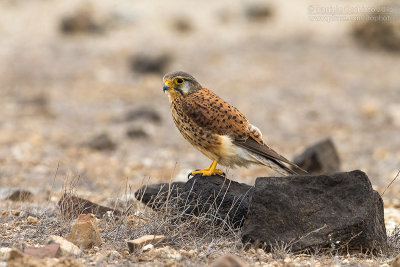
{"x": 67, "y": 248}
{"x": 148, "y": 247}
{"x": 4, "y": 252}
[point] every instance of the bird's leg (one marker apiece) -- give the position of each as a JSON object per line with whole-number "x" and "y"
{"x": 212, "y": 170}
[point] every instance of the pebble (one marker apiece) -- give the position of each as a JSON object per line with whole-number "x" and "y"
{"x": 142, "y": 241}
{"x": 32, "y": 220}
{"x": 15, "y": 213}
{"x": 229, "y": 260}
{"x": 113, "y": 254}
{"x": 85, "y": 232}
{"x": 147, "y": 247}
{"x": 67, "y": 248}
{"x": 369, "y": 108}
{"x": 4, "y": 253}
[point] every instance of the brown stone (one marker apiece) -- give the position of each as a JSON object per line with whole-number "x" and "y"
{"x": 17, "y": 258}
{"x": 7, "y": 213}
{"x": 71, "y": 206}
{"x": 143, "y": 241}
{"x": 51, "y": 251}
{"x": 32, "y": 220}
{"x": 396, "y": 261}
{"x": 20, "y": 195}
{"x": 85, "y": 233}
{"x": 228, "y": 260}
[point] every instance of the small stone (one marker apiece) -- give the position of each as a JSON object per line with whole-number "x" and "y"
{"x": 144, "y": 64}
{"x": 17, "y": 259}
{"x": 142, "y": 241}
{"x": 394, "y": 114}
{"x": 4, "y": 253}
{"x": 113, "y": 255}
{"x": 136, "y": 132}
{"x": 7, "y": 213}
{"x": 346, "y": 261}
{"x": 71, "y": 206}
{"x": 182, "y": 25}
{"x": 20, "y": 195}
{"x": 369, "y": 108}
{"x": 229, "y": 260}
{"x": 125, "y": 253}
{"x": 396, "y": 261}
{"x": 51, "y": 251}
{"x": 66, "y": 248}
{"x": 258, "y": 11}
{"x": 98, "y": 258}
{"x": 85, "y": 232}
{"x": 82, "y": 21}
{"x": 319, "y": 158}
{"x": 143, "y": 113}
{"x": 148, "y": 247}
{"x": 379, "y": 34}
{"x": 192, "y": 253}
{"x": 178, "y": 257}
{"x": 101, "y": 142}
{"x": 32, "y": 220}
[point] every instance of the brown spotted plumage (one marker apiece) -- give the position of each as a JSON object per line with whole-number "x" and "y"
{"x": 218, "y": 129}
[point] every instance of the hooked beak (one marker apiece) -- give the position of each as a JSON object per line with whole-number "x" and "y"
{"x": 166, "y": 86}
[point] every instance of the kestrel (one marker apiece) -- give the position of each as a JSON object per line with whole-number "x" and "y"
{"x": 218, "y": 129}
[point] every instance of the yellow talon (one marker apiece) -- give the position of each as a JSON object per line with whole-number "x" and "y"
{"x": 212, "y": 170}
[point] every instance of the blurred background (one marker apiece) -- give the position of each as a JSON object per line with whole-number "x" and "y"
{"x": 81, "y": 86}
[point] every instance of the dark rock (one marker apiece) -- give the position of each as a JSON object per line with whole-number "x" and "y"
{"x": 51, "y": 251}
{"x": 36, "y": 105}
{"x": 136, "y": 132}
{"x": 72, "y": 206}
{"x": 321, "y": 157}
{"x": 258, "y": 11}
{"x": 337, "y": 211}
{"x": 156, "y": 195}
{"x": 222, "y": 199}
{"x": 82, "y": 21}
{"x": 149, "y": 64}
{"x": 37, "y": 100}
{"x": 182, "y": 25}
{"x": 377, "y": 32}
{"x": 143, "y": 113}
{"x": 101, "y": 142}
{"x": 229, "y": 199}
{"x": 20, "y": 195}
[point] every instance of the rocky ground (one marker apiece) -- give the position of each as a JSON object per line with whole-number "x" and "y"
{"x": 82, "y": 109}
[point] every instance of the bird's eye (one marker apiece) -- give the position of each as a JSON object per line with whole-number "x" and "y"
{"x": 179, "y": 81}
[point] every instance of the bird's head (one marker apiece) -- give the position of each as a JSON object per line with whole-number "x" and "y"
{"x": 180, "y": 83}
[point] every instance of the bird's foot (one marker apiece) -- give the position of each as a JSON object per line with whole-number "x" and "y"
{"x": 207, "y": 172}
